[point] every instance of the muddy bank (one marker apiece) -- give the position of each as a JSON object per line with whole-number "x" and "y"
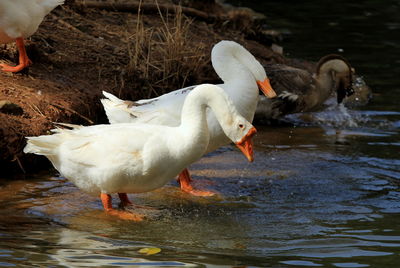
{"x": 79, "y": 51}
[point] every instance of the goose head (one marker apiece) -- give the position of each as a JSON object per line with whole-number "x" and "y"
{"x": 245, "y": 144}
{"x": 232, "y": 61}
{"x": 242, "y": 132}
{"x": 340, "y": 71}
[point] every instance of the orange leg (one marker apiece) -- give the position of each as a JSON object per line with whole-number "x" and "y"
{"x": 125, "y": 202}
{"x": 24, "y": 61}
{"x": 107, "y": 204}
{"x": 185, "y": 182}
{"x": 124, "y": 199}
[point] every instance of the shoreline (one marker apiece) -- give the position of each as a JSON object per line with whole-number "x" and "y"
{"x": 79, "y": 51}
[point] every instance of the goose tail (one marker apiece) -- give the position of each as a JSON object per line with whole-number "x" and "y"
{"x": 43, "y": 145}
{"x": 117, "y": 110}
{"x": 112, "y": 98}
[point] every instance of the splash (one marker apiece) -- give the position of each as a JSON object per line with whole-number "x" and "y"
{"x": 334, "y": 115}
{"x": 339, "y": 116}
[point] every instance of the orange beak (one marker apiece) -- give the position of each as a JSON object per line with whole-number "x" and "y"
{"x": 266, "y": 88}
{"x": 246, "y": 144}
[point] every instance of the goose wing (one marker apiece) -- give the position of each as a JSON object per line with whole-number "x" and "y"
{"x": 288, "y": 80}
{"x": 164, "y": 110}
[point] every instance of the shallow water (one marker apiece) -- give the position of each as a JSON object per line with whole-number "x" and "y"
{"x": 323, "y": 190}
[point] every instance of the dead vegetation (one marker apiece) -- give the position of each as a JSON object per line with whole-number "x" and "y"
{"x": 163, "y": 57}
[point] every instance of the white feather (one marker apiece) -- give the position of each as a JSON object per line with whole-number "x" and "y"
{"x": 21, "y": 18}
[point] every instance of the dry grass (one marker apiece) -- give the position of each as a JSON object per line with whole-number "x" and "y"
{"x": 164, "y": 58}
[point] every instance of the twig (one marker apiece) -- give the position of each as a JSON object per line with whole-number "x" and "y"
{"x": 73, "y": 28}
{"x": 36, "y": 109}
{"x": 19, "y": 164}
{"x": 73, "y": 111}
{"x": 147, "y": 8}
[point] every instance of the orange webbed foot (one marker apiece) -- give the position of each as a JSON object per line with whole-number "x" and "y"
{"x": 197, "y": 192}
{"x": 24, "y": 61}
{"x": 186, "y": 185}
{"x": 13, "y": 69}
{"x": 124, "y": 215}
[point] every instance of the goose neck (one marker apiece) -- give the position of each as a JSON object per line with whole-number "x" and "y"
{"x": 231, "y": 61}
{"x": 328, "y": 71}
{"x": 335, "y": 66}
{"x": 194, "y": 111}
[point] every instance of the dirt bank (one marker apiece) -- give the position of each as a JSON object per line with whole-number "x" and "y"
{"x": 79, "y": 51}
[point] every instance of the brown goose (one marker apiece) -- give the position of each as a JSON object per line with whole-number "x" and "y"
{"x": 300, "y": 90}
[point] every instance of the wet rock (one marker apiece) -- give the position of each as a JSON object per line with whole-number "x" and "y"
{"x": 7, "y": 107}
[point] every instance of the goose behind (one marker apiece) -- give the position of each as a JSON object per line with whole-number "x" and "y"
{"x": 242, "y": 75}
{"x": 132, "y": 158}
{"x": 20, "y": 19}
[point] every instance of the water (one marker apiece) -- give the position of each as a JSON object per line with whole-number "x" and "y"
{"x": 323, "y": 191}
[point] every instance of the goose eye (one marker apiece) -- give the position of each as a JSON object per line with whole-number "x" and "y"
{"x": 241, "y": 125}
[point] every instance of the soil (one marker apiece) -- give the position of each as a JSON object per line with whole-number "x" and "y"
{"x": 78, "y": 51}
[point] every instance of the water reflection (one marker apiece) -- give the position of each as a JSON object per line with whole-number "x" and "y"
{"x": 307, "y": 200}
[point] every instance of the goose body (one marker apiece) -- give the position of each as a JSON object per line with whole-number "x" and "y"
{"x": 242, "y": 75}
{"x": 133, "y": 158}
{"x": 20, "y": 19}
{"x": 300, "y": 90}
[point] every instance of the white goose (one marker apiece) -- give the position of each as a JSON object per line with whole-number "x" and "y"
{"x": 134, "y": 158}
{"x": 20, "y": 19}
{"x": 242, "y": 75}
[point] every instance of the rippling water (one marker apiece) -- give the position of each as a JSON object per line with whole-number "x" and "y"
{"x": 323, "y": 190}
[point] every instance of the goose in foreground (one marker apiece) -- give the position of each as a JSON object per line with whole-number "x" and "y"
{"x": 134, "y": 158}
{"x": 242, "y": 75}
{"x": 299, "y": 90}
{"x": 20, "y": 19}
